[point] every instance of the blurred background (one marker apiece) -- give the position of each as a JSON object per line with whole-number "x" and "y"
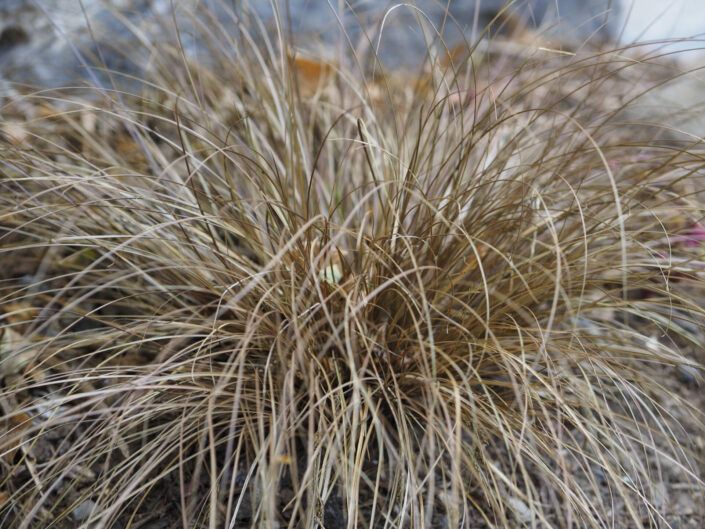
{"x": 49, "y": 42}
{"x": 655, "y": 20}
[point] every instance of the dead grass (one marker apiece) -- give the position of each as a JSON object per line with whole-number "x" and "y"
{"x": 250, "y": 295}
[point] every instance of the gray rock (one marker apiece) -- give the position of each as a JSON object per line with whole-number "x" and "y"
{"x": 679, "y": 105}
{"x": 521, "y": 510}
{"x": 50, "y": 42}
{"x": 55, "y": 42}
{"x": 83, "y": 510}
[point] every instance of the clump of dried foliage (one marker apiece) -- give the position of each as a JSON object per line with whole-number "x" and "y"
{"x": 269, "y": 290}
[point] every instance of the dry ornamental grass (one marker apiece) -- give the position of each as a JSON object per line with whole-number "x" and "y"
{"x": 267, "y": 290}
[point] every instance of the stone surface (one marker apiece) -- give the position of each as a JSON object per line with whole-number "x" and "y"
{"x": 55, "y": 42}
{"x": 83, "y": 510}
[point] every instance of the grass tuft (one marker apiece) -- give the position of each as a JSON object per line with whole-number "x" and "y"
{"x": 265, "y": 289}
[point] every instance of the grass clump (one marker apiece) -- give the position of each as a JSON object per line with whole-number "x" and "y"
{"x": 259, "y": 291}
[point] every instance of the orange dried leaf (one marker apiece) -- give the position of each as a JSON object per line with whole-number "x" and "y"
{"x": 285, "y": 459}
{"x": 13, "y": 427}
{"x": 311, "y": 73}
{"x": 21, "y": 420}
{"x": 16, "y": 313}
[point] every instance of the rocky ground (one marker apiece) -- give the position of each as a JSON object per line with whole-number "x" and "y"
{"x": 50, "y": 42}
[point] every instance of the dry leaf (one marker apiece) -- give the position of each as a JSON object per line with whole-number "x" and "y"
{"x": 17, "y": 314}
{"x": 311, "y": 73}
{"x": 12, "y": 428}
{"x": 285, "y": 459}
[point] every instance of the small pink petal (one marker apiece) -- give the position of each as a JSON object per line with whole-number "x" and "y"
{"x": 694, "y": 235}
